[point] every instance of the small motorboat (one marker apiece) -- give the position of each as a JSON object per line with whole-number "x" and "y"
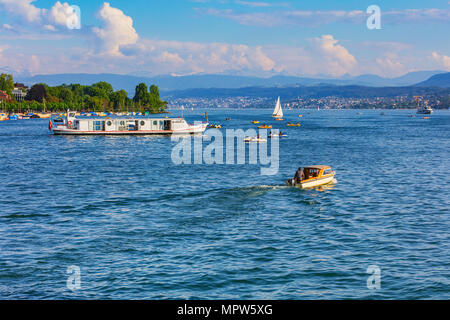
{"x": 279, "y": 119}
{"x": 300, "y": 115}
{"x": 293, "y": 124}
{"x": 274, "y": 136}
{"x": 264, "y": 126}
{"x": 228, "y": 119}
{"x": 255, "y": 139}
{"x": 255, "y": 121}
{"x": 314, "y": 176}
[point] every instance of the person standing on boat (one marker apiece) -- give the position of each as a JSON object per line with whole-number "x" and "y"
{"x": 299, "y": 175}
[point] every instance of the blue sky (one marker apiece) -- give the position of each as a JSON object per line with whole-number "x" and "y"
{"x": 250, "y": 37}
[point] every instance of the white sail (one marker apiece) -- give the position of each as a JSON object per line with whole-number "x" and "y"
{"x": 278, "y": 112}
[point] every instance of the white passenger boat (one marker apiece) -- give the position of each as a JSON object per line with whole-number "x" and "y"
{"x": 73, "y": 125}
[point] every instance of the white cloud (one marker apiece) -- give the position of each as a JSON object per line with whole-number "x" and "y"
{"x": 442, "y": 60}
{"x": 336, "y": 58}
{"x": 193, "y": 57}
{"x": 116, "y": 31}
{"x": 312, "y": 18}
{"x": 119, "y": 49}
{"x": 62, "y": 13}
{"x": 253, "y": 4}
{"x": 390, "y": 65}
{"x": 57, "y": 16}
{"x": 24, "y": 9}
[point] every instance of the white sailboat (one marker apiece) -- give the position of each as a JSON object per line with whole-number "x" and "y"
{"x": 278, "y": 112}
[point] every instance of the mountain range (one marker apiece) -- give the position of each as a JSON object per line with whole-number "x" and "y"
{"x": 168, "y": 83}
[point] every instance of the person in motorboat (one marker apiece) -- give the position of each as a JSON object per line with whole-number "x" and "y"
{"x": 312, "y": 176}
{"x": 299, "y": 175}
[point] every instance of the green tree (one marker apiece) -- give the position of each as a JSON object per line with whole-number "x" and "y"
{"x": 7, "y": 83}
{"x": 119, "y": 99}
{"x": 141, "y": 96}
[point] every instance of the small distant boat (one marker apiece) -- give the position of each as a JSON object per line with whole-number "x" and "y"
{"x": 264, "y": 126}
{"x": 280, "y": 135}
{"x": 44, "y": 115}
{"x": 314, "y": 176}
{"x": 293, "y": 124}
{"x": 426, "y": 117}
{"x": 227, "y": 119}
{"x": 300, "y": 115}
{"x": 3, "y": 117}
{"x": 278, "y": 112}
{"x": 255, "y": 121}
{"x": 279, "y": 119}
{"x": 255, "y": 139}
{"x": 216, "y": 126}
{"x": 425, "y": 109}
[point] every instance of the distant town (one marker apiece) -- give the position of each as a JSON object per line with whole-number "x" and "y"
{"x": 400, "y": 102}
{"x": 16, "y": 97}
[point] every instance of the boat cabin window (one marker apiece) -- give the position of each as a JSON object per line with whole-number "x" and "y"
{"x": 311, "y": 173}
{"x": 98, "y": 125}
{"x": 327, "y": 171}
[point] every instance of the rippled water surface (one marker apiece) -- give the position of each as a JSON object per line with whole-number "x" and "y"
{"x": 141, "y": 227}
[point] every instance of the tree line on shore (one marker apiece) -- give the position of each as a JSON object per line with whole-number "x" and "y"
{"x": 99, "y": 97}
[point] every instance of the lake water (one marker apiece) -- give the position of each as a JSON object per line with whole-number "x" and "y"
{"x": 140, "y": 227}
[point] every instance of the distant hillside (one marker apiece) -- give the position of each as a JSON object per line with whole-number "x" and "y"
{"x": 287, "y": 93}
{"x": 439, "y": 80}
{"x": 170, "y": 83}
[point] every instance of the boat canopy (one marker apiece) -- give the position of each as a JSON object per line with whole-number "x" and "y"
{"x": 318, "y": 167}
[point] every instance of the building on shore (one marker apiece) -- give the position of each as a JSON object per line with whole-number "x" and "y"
{"x": 19, "y": 95}
{"x": 20, "y": 92}
{"x": 4, "y": 96}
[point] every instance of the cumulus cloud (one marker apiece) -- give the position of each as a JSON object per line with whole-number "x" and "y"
{"x": 118, "y": 48}
{"x": 390, "y": 65}
{"x": 116, "y": 30}
{"x": 189, "y": 57}
{"x": 336, "y": 58}
{"x": 442, "y": 60}
{"x": 23, "y": 8}
{"x": 51, "y": 19}
{"x": 62, "y": 13}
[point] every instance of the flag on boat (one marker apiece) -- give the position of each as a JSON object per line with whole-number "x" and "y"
{"x": 50, "y": 125}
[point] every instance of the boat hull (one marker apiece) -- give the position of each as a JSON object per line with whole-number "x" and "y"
{"x": 72, "y": 132}
{"x": 312, "y": 183}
